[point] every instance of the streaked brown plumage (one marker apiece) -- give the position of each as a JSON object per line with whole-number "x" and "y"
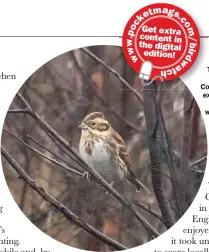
{"x": 104, "y": 149}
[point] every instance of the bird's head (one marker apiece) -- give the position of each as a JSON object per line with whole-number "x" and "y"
{"x": 95, "y": 123}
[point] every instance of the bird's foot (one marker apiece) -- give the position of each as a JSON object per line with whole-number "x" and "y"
{"x": 86, "y": 176}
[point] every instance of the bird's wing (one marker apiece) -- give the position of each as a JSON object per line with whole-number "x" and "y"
{"x": 123, "y": 154}
{"x": 122, "y": 151}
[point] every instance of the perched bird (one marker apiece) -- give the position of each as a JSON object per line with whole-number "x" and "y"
{"x": 103, "y": 149}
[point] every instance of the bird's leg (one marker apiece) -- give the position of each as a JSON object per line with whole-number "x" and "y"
{"x": 86, "y": 176}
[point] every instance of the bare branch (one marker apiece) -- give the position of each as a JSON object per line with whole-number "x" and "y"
{"x": 185, "y": 147}
{"x": 60, "y": 208}
{"x": 165, "y": 145}
{"x": 18, "y": 111}
{"x": 188, "y": 103}
{"x": 29, "y": 110}
{"x": 152, "y": 122}
{"x": 195, "y": 121}
{"x": 125, "y": 83}
{"x": 25, "y": 186}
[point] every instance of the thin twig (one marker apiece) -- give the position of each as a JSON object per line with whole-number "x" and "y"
{"x": 185, "y": 148}
{"x": 25, "y": 186}
{"x": 187, "y": 130}
{"x": 195, "y": 134}
{"x": 125, "y": 83}
{"x": 47, "y": 149}
{"x": 92, "y": 171}
{"x": 198, "y": 161}
{"x": 60, "y": 207}
{"x": 166, "y": 147}
{"x": 197, "y": 170}
{"x": 18, "y": 111}
{"x": 157, "y": 215}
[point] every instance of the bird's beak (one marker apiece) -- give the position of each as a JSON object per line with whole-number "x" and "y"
{"x": 82, "y": 126}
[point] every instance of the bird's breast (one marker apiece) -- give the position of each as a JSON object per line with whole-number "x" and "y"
{"x": 95, "y": 152}
{"x": 99, "y": 156}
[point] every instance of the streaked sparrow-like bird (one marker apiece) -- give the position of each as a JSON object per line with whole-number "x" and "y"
{"x": 103, "y": 149}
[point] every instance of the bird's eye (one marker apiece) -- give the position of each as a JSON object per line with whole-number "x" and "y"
{"x": 93, "y": 123}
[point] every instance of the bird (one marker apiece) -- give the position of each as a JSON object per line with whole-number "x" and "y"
{"x": 102, "y": 148}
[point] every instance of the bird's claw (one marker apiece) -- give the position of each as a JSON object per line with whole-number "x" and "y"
{"x": 86, "y": 176}
{"x": 111, "y": 184}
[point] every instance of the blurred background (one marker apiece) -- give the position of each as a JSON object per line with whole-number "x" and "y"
{"x": 63, "y": 92}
